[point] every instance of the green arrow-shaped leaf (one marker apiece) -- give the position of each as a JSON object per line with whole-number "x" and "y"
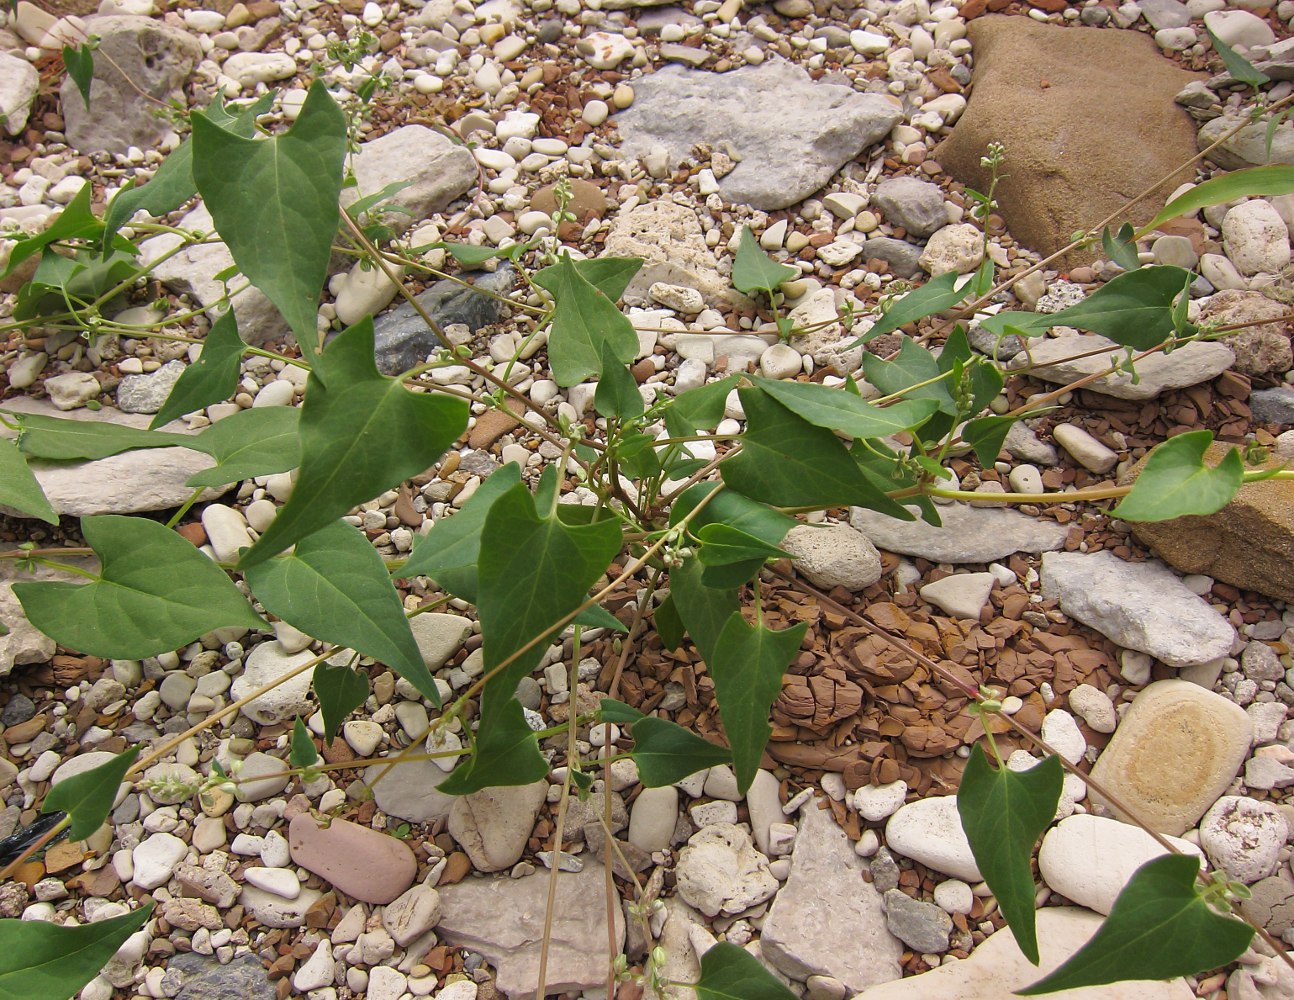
{"x": 450, "y": 553}
{"x": 617, "y": 393}
{"x": 304, "y": 754}
{"x": 934, "y": 296}
{"x": 732, "y": 973}
{"x": 731, "y": 556}
{"x": 210, "y": 379}
{"x": 361, "y": 433}
{"x": 1275, "y": 179}
{"x": 747, "y": 669}
{"x": 275, "y": 204}
{"x": 786, "y": 460}
{"x": 665, "y": 752}
{"x": 76, "y": 221}
{"x": 334, "y": 586}
{"x": 587, "y": 326}
{"x": 701, "y": 407}
{"x": 754, "y": 271}
{"x": 340, "y": 691}
{"x": 703, "y": 610}
{"x": 62, "y": 439}
{"x": 1004, "y": 812}
{"x": 156, "y": 592}
{"x": 1176, "y": 481}
{"x": 912, "y": 366}
{"x": 505, "y": 752}
{"x": 733, "y": 510}
{"x": 173, "y": 183}
{"x": 44, "y": 961}
{"x": 88, "y": 797}
{"x": 1160, "y": 927}
{"x": 842, "y": 411}
{"x": 987, "y": 435}
{"x": 18, "y": 486}
{"x": 254, "y": 442}
{"x": 534, "y": 571}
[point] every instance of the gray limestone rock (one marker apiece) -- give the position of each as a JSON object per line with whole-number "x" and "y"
{"x": 902, "y": 256}
{"x": 435, "y": 170}
{"x": 1189, "y": 365}
{"x": 494, "y": 824}
{"x": 914, "y": 204}
{"x": 411, "y": 791}
{"x": 135, "y": 54}
{"x": 922, "y": 926}
{"x": 1141, "y": 606}
{"x": 788, "y": 147}
{"x": 669, "y": 239}
{"x": 402, "y": 339}
{"x": 503, "y": 919}
{"x": 147, "y": 393}
{"x": 840, "y": 933}
{"x": 1273, "y": 406}
{"x": 968, "y": 535}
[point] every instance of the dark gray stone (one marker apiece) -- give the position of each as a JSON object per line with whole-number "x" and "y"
{"x": 914, "y": 204}
{"x": 922, "y": 926}
{"x": 206, "y": 979}
{"x": 402, "y": 339}
{"x": 20, "y": 709}
{"x": 901, "y": 255}
{"x": 1273, "y": 406}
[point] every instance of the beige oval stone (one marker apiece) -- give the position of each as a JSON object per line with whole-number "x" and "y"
{"x": 364, "y": 864}
{"x": 1176, "y": 751}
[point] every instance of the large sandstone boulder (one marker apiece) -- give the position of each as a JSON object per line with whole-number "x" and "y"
{"x": 1249, "y": 543}
{"x": 1081, "y": 140}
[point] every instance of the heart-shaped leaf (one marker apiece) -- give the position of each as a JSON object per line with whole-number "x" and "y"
{"x": 1004, "y": 812}
{"x": 1160, "y": 927}
{"x": 340, "y": 691}
{"x": 1176, "y": 481}
{"x": 335, "y": 587}
{"x": 361, "y": 433}
{"x": 275, "y": 204}
{"x": 44, "y": 961}
{"x": 749, "y": 661}
{"x": 732, "y": 973}
{"x": 665, "y": 752}
{"x": 88, "y": 797}
{"x": 587, "y": 325}
{"x": 210, "y": 379}
{"x": 155, "y": 593}
{"x": 754, "y": 271}
{"x": 18, "y": 486}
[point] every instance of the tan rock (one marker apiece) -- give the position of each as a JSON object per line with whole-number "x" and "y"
{"x": 494, "y": 824}
{"x": 997, "y": 967}
{"x": 1174, "y": 753}
{"x": 1053, "y": 97}
{"x": 1249, "y": 543}
{"x": 359, "y": 861}
{"x": 503, "y": 919}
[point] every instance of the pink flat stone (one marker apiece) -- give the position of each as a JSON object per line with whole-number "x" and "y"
{"x": 362, "y": 863}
